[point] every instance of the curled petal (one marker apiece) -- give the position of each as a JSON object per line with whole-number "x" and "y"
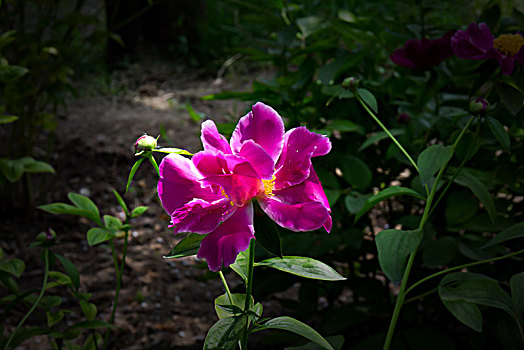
{"x": 222, "y": 246}
{"x": 212, "y": 139}
{"x": 199, "y": 216}
{"x": 261, "y": 162}
{"x": 264, "y": 126}
{"x": 480, "y": 36}
{"x": 180, "y": 182}
{"x": 295, "y": 161}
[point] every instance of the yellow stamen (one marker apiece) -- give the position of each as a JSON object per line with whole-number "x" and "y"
{"x": 269, "y": 186}
{"x": 508, "y": 44}
{"x": 225, "y": 195}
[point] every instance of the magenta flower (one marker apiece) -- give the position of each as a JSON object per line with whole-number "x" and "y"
{"x": 423, "y": 53}
{"x": 212, "y": 193}
{"x": 477, "y": 43}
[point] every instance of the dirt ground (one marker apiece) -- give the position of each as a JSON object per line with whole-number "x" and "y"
{"x": 164, "y": 304}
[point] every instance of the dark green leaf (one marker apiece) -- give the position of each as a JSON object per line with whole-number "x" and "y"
{"x": 241, "y": 265}
{"x": 467, "y": 313}
{"x": 121, "y": 202}
{"x": 480, "y": 191}
{"x": 432, "y": 159}
{"x": 309, "y": 25}
{"x": 467, "y": 147}
{"x": 54, "y": 317}
{"x": 379, "y": 136}
{"x": 70, "y": 269}
{"x": 186, "y": 247}
{"x": 238, "y": 301}
{"x": 355, "y": 201}
{"x": 369, "y": 99}
{"x": 356, "y": 172}
{"x": 138, "y": 211}
{"x": 11, "y": 72}
{"x": 384, "y": 194}
{"x": 98, "y": 235}
{"x": 461, "y": 206}
{"x": 499, "y": 132}
{"x": 289, "y": 324}
{"x": 512, "y": 232}
{"x": 440, "y": 252}
{"x": 89, "y": 310}
{"x": 511, "y": 97}
{"x": 268, "y": 235}
{"x": 393, "y": 247}
{"x": 11, "y": 169}
{"x": 304, "y": 267}
{"x": 132, "y": 172}
{"x": 517, "y": 292}
{"x": 14, "y": 267}
{"x": 50, "y": 301}
{"x": 225, "y": 334}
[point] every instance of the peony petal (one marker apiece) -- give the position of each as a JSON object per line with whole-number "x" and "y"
{"x": 400, "y": 58}
{"x": 480, "y": 36}
{"x": 212, "y": 139}
{"x": 297, "y": 217}
{"x": 221, "y": 247}
{"x": 264, "y": 126}
{"x": 261, "y": 162}
{"x": 199, "y": 216}
{"x": 295, "y": 161}
{"x": 180, "y": 182}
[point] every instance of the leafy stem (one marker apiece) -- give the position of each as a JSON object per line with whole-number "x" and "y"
{"x": 249, "y": 288}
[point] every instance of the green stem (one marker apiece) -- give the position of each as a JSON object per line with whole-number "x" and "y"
{"x": 249, "y": 288}
{"x": 386, "y": 130}
{"x": 224, "y": 282}
{"x": 431, "y": 291}
{"x": 44, "y": 284}
{"x": 153, "y": 161}
{"x": 459, "y": 267}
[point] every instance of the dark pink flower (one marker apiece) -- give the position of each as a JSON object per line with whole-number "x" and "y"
{"x": 478, "y": 43}
{"x": 212, "y": 193}
{"x": 423, "y": 53}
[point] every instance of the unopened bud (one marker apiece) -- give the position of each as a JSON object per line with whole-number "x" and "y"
{"x": 47, "y": 236}
{"x": 478, "y": 106}
{"x": 403, "y": 118}
{"x": 350, "y": 83}
{"x": 145, "y": 143}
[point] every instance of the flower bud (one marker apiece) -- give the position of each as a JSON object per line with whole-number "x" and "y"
{"x": 145, "y": 143}
{"x": 350, "y": 83}
{"x": 47, "y": 236}
{"x": 478, "y": 106}
{"x": 403, "y": 118}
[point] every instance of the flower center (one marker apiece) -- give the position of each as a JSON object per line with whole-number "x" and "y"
{"x": 509, "y": 44}
{"x": 269, "y": 186}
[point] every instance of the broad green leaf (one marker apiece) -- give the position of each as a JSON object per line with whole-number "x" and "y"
{"x": 138, "y": 211}
{"x": 355, "y": 201}
{"x": 268, "y": 235}
{"x": 173, "y": 150}
{"x": 82, "y": 202}
{"x": 132, "y": 172}
{"x": 384, "y": 194}
{"x": 238, "y": 300}
{"x": 355, "y": 172}
{"x": 379, "y": 136}
{"x": 89, "y": 310}
{"x": 14, "y": 267}
{"x": 241, "y": 264}
{"x": 517, "y": 292}
{"x": 344, "y": 125}
{"x": 304, "y": 267}
{"x": 289, "y": 324}
{"x": 70, "y": 269}
{"x": 11, "y": 169}
{"x": 225, "y": 334}
{"x": 98, "y": 235}
{"x": 369, "y": 99}
{"x": 467, "y": 313}
{"x": 499, "y": 132}
{"x": 480, "y": 191}
{"x": 188, "y": 246}
{"x": 393, "y": 247}
{"x": 474, "y": 288}
{"x": 511, "y": 97}
{"x": 432, "y": 159}
{"x": 112, "y": 223}
{"x": 35, "y": 166}
{"x": 512, "y": 232}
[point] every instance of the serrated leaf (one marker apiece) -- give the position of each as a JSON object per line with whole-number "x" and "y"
{"x": 289, "y": 324}
{"x": 14, "y": 267}
{"x": 70, "y": 269}
{"x": 369, "y": 99}
{"x": 384, "y": 194}
{"x": 393, "y": 247}
{"x": 431, "y": 160}
{"x": 225, "y": 334}
{"x": 98, "y": 235}
{"x": 499, "y": 132}
{"x": 304, "y": 267}
{"x": 512, "y": 232}
{"x": 480, "y": 191}
{"x": 186, "y": 247}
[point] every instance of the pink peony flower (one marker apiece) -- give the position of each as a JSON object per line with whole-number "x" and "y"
{"x": 212, "y": 193}
{"x": 423, "y": 53}
{"x": 477, "y": 43}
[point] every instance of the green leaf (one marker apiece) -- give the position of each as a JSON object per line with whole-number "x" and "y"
{"x": 188, "y": 246}
{"x": 467, "y": 313}
{"x": 517, "y": 292}
{"x": 225, "y": 334}
{"x": 98, "y": 235}
{"x": 343, "y": 125}
{"x": 461, "y": 206}
{"x": 304, "y": 267}
{"x": 432, "y": 159}
{"x": 11, "y": 72}
{"x": 480, "y": 191}
{"x": 54, "y": 317}
{"x": 195, "y": 116}
{"x": 268, "y": 235}
{"x": 355, "y": 172}
{"x": 82, "y": 202}
{"x": 112, "y": 223}
{"x": 132, "y": 172}
{"x": 238, "y": 301}
{"x": 6, "y": 119}
{"x": 393, "y": 247}
{"x": 289, "y": 324}
{"x": 241, "y": 264}
{"x": 138, "y": 211}
{"x": 309, "y": 25}
{"x": 379, "y": 136}
{"x": 70, "y": 269}
{"x": 384, "y": 194}
{"x": 369, "y": 99}
{"x": 11, "y": 169}
{"x": 511, "y": 97}
{"x": 354, "y": 202}
{"x": 62, "y": 208}
{"x": 61, "y": 279}
{"x": 89, "y": 310}
{"x": 439, "y": 252}
{"x": 121, "y": 202}
{"x": 499, "y": 132}
{"x": 173, "y": 150}
{"x": 35, "y": 166}
{"x": 512, "y": 232}
{"x": 14, "y": 267}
